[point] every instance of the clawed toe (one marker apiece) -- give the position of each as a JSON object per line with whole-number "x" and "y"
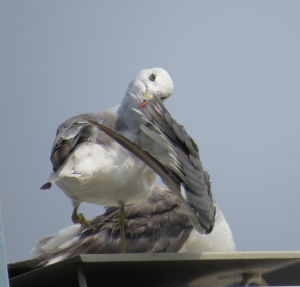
{"x": 79, "y": 218}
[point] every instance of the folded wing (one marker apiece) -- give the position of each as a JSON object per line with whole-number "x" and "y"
{"x": 184, "y": 173}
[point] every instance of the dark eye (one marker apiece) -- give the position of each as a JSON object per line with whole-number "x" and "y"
{"x": 152, "y": 77}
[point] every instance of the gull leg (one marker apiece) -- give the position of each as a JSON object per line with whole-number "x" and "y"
{"x": 122, "y": 222}
{"x": 79, "y": 218}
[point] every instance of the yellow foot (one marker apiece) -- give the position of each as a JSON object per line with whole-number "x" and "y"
{"x": 79, "y": 218}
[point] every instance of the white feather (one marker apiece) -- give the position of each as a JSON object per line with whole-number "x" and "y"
{"x": 219, "y": 240}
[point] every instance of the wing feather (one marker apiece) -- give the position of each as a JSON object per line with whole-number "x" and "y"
{"x": 152, "y": 225}
{"x": 182, "y": 166}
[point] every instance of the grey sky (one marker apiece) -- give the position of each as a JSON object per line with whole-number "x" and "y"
{"x": 235, "y": 67}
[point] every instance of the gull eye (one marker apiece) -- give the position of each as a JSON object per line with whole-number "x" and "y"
{"x": 152, "y": 77}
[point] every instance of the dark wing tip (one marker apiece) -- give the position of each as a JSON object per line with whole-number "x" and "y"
{"x": 47, "y": 185}
{"x": 209, "y": 230}
{"x": 212, "y": 223}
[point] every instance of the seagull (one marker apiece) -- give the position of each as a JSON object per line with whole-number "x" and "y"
{"x": 88, "y": 166}
{"x": 154, "y": 225}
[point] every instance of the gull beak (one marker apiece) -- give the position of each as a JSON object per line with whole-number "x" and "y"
{"x": 146, "y": 96}
{"x": 144, "y": 103}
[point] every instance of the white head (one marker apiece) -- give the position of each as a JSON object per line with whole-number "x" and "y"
{"x": 157, "y": 80}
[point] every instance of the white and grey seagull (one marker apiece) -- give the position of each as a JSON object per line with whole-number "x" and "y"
{"x": 154, "y": 225}
{"x": 91, "y": 167}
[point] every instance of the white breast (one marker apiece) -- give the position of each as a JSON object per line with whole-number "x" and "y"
{"x": 104, "y": 175}
{"x": 219, "y": 240}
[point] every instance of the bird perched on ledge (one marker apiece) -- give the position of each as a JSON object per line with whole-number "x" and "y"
{"x": 154, "y": 225}
{"x": 89, "y": 167}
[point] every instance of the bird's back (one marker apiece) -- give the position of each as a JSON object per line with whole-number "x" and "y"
{"x": 77, "y": 130}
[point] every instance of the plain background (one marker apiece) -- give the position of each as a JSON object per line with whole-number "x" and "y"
{"x": 235, "y": 66}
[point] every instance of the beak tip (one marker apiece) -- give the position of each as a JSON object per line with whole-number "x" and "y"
{"x": 144, "y": 103}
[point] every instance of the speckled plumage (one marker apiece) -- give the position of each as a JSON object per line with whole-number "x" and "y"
{"x": 154, "y": 225}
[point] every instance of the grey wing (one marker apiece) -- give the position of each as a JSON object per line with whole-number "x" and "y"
{"x": 185, "y": 159}
{"x": 77, "y": 130}
{"x": 184, "y": 172}
{"x": 152, "y": 225}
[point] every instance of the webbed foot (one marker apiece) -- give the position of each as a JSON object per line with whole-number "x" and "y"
{"x": 79, "y": 218}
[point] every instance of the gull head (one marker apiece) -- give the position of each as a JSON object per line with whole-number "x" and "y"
{"x": 147, "y": 83}
{"x": 152, "y": 81}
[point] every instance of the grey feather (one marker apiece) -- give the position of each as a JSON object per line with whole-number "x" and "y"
{"x": 152, "y": 225}
{"x": 153, "y": 163}
{"x": 77, "y": 130}
{"x": 186, "y": 154}
{"x": 197, "y": 188}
